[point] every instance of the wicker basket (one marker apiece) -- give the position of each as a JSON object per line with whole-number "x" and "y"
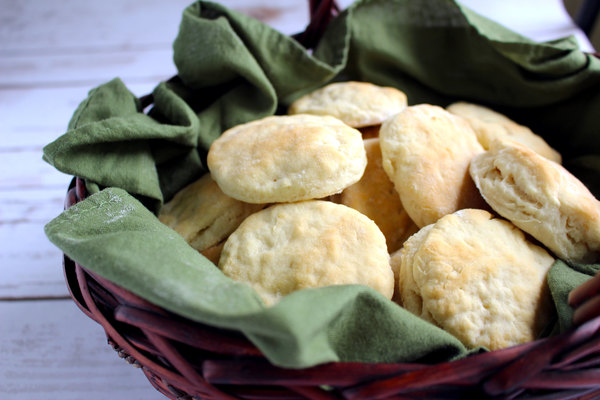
{"x": 184, "y": 359}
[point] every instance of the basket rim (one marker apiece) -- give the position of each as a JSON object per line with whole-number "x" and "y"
{"x": 232, "y": 357}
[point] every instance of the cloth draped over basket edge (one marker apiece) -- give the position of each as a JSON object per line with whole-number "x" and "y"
{"x": 232, "y": 69}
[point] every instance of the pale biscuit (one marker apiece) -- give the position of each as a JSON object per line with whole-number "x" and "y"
{"x": 287, "y": 158}
{"x": 375, "y": 196}
{"x": 405, "y": 289}
{"x": 478, "y": 278}
{"x": 542, "y": 198}
{"x": 490, "y": 125}
{"x": 426, "y": 153}
{"x": 358, "y": 104}
{"x": 203, "y": 215}
{"x": 315, "y": 243}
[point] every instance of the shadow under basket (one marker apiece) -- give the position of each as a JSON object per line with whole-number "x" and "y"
{"x": 184, "y": 359}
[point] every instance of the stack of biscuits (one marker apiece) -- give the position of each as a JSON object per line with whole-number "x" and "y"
{"x": 456, "y": 214}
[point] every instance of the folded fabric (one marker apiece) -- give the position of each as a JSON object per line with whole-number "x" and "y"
{"x": 115, "y": 236}
{"x": 232, "y": 69}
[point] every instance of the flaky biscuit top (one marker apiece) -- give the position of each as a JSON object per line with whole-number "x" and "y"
{"x": 287, "y": 158}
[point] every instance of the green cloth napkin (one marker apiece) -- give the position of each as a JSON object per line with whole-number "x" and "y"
{"x": 232, "y": 69}
{"x": 121, "y": 240}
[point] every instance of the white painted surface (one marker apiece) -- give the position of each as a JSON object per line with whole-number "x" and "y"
{"x": 50, "y": 352}
{"x": 540, "y": 20}
{"x": 51, "y": 53}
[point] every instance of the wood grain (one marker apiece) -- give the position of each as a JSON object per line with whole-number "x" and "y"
{"x": 51, "y": 54}
{"x": 56, "y": 352}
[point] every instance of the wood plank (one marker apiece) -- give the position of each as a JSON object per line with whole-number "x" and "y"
{"x": 30, "y": 266}
{"x": 30, "y": 26}
{"x": 51, "y": 350}
{"x": 29, "y": 171}
{"x": 34, "y": 205}
{"x": 44, "y": 27}
{"x": 79, "y": 44}
{"x": 85, "y": 69}
{"x": 97, "y": 44}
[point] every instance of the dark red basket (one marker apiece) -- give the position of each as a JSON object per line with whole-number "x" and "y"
{"x": 184, "y": 359}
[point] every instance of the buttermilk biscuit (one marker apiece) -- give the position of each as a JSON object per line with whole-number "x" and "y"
{"x": 542, "y": 198}
{"x": 426, "y": 153}
{"x": 478, "y": 278}
{"x": 309, "y": 244}
{"x": 203, "y": 214}
{"x": 405, "y": 289}
{"x": 287, "y": 158}
{"x": 374, "y": 195}
{"x": 489, "y": 125}
{"x": 358, "y": 104}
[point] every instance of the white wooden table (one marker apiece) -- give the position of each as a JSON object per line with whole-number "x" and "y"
{"x": 51, "y": 54}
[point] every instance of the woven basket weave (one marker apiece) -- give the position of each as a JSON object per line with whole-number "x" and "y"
{"x": 186, "y": 360}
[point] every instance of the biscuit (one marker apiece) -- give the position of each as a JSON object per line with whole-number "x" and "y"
{"x": 405, "y": 288}
{"x": 542, "y": 198}
{"x": 358, "y": 104}
{"x": 213, "y": 253}
{"x": 287, "y": 158}
{"x": 490, "y": 125}
{"x": 375, "y": 196}
{"x": 426, "y": 153}
{"x": 203, "y": 215}
{"x": 478, "y": 278}
{"x": 315, "y": 243}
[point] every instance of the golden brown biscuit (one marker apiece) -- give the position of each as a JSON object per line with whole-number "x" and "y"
{"x": 287, "y": 158}
{"x": 490, "y": 125}
{"x": 358, "y": 104}
{"x": 203, "y": 214}
{"x": 542, "y": 198}
{"x": 426, "y": 153}
{"x": 478, "y": 278}
{"x": 375, "y": 196}
{"x": 309, "y": 244}
{"x": 405, "y": 289}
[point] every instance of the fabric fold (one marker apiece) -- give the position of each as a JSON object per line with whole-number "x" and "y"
{"x": 114, "y": 235}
